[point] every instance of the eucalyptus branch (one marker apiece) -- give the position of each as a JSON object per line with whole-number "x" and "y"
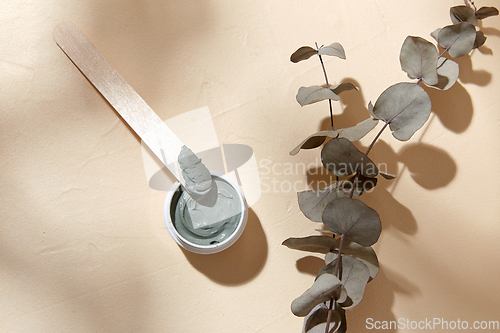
{"x": 405, "y": 105}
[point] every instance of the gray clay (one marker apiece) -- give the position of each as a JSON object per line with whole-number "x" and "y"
{"x": 208, "y": 209}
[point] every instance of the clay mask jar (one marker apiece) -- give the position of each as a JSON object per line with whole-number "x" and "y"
{"x": 207, "y": 215}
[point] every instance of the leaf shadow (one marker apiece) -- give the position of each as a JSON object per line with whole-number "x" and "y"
{"x": 310, "y": 265}
{"x": 381, "y": 290}
{"x": 453, "y": 107}
{"x": 429, "y": 166}
{"x": 352, "y": 104}
{"x": 469, "y": 75}
{"x": 238, "y": 264}
{"x": 391, "y": 211}
{"x": 318, "y": 177}
{"x": 489, "y": 31}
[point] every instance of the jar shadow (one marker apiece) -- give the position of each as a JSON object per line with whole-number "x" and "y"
{"x": 238, "y": 264}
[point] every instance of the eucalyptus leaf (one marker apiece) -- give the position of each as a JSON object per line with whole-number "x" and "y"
{"x": 325, "y": 231}
{"x": 370, "y": 110}
{"x": 341, "y": 157}
{"x": 387, "y": 176}
{"x": 339, "y": 309}
{"x": 364, "y": 253}
{"x": 355, "y": 276}
{"x": 339, "y": 88}
{"x": 351, "y": 133}
{"x": 329, "y": 268}
{"x": 313, "y": 202}
{"x": 303, "y": 53}
{"x": 418, "y": 59}
{"x": 458, "y": 39}
{"x": 321, "y": 291}
{"x": 435, "y": 33}
{"x": 463, "y": 14}
{"x": 343, "y": 324}
{"x": 405, "y": 107}
{"x": 358, "y": 131}
{"x": 334, "y": 49}
{"x": 361, "y": 184}
{"x": 318, "y": 244}
{"x": 313, "y": 94}
{"x": 313, "y": 141}
{"x": 485, "y": 12}
{"x": 354, "y": 219}
{"x": 315, "y": 321}
{"x": 340, "y": 294}
{"x": 480, "y": 39}
{"x": 448, "y": 71}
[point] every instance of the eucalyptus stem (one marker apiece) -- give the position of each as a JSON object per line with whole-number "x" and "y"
{"x": 329, "y": 318}
{"x": 336, "y": 273}
{"x": 471, "y": 3}
{"x": 354, "y": 183}
{"x": 376, "y": 138}
{"x": 327, "y": 86}
{"x": 337, "y": 264}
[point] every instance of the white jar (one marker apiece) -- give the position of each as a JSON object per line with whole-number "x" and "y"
{"x": 169, "y": 217}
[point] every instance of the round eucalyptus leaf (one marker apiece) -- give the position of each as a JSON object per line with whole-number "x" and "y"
{"x": 341, "y": 157}
{"x": 303, "y": 53}
{"x": 327, "y": 269}
{"x": 355, "y": 276}
{"x": 370, "y": 109}
{"x": 313, "y": 202}
{"x": 322, "y": 290}
{"x": 351, "y": 133}
{"x": 339, "y": 88}
{"x": 463, "y": 14}
{"x": 340, "y": 294}
{"x": 485, "y": 12}
{"x": 354, "y": 219}
{"x": 358, "y": 131}
{"x": 405, "y": 107}
{"x": 313, "y": 94}
{"x": 315, "y": 321}
{"x": 334, "y": 49}
{"x": 435, "y": 33}
{"x": 458, "y": 39}
{"x": 364, "y": 253}
{"x": 318, "y": 244}
{"x": 448, "y": 71}
{"x": 418, "y": 59}
{"x": 480, "y": 39}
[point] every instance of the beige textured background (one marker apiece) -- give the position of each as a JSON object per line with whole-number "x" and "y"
{"x": 83, "y": 246}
